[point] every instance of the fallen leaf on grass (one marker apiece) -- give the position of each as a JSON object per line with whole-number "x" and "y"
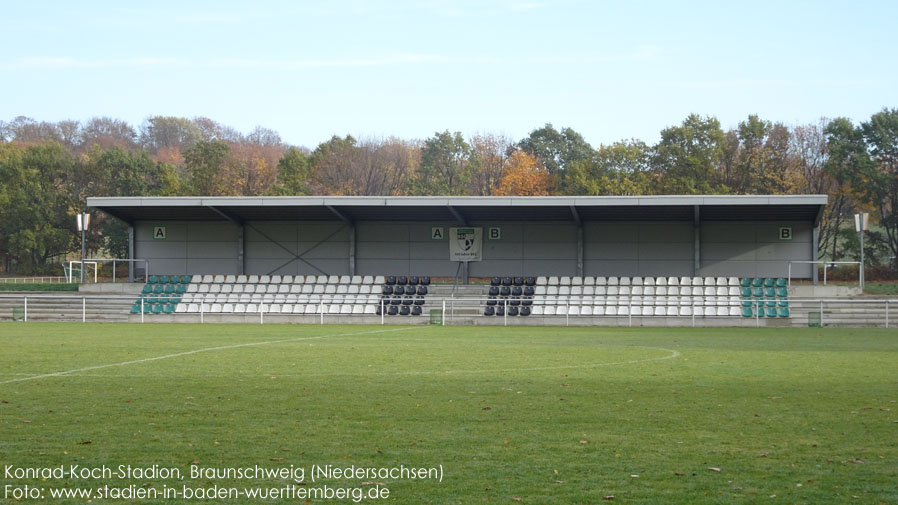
{"x": 774, "y": 397}
{"x": 277, "y": 459}
{"x": 561, "y": 482}
{"x": 678, "y": 474}
{"x": 25, "y": 421}
{"x": 584, "y": 442}
{"x": 609, "y": 497}
{"x": 85, "y": 442}
{"x": 857, "y": 461}
{"x": 515, "y": 498}
{"x": 763, "y": 454}
{"x": 713, "y": 468}
{"x": 486, "y": 408}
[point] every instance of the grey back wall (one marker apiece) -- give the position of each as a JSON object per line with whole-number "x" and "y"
{"x": 543, "y": 248}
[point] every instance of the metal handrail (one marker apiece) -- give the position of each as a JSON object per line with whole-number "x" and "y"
{"x": 860, "y": 281}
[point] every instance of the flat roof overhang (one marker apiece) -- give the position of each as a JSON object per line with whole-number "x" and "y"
{"x": 465, "y": 208}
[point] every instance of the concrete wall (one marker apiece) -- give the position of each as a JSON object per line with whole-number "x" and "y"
{"x": 542, "y": 248}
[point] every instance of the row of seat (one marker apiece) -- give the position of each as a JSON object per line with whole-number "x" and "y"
{"x": 276, "y": 308}
{"x": 285, "y": 288}
{"x": 168, "y": 279}
{"x": 637, "y": 281}
{"x": 257, "y": 298}
{"x": 412, "y": 280}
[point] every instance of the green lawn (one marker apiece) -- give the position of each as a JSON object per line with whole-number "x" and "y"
{"x": 536, "y": 415}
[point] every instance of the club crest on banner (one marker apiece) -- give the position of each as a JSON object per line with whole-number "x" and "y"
{"x": 465, "y": 244}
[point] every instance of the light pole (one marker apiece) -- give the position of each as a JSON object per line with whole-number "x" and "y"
{"x": 83, "y": 222}
{"x": 860, "y": 225}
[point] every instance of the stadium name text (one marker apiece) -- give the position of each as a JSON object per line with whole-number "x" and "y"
{"x": 92, "y": 472}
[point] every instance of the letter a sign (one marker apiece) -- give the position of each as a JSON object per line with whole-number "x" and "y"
{"x": 158, "y": 233}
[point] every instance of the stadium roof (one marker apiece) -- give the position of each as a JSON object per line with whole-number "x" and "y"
{"x": 463, "y": 209}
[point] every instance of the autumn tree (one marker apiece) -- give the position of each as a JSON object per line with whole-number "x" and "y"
{"x": 293, "y": 174}
{"x": 687, "y": 156}
{"x": 489, "y": 153}
{"x": 525, "y": 175}
{"x": 556, "y": 149}
{"x": 445, "y": 165}
{"x": 622, "y": 168}
{"x": 880, "y": 134}
{"x": 205, "y": 163}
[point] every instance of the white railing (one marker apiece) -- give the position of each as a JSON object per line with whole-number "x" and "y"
{"x": 95, "y": 262}
{"x": 825, "y": 266}
{"x": 32, "y": 280}
{"x": 82, "y": 308}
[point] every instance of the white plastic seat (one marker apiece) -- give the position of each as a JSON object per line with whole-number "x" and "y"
{"x": 245, "y": 298}
{"x": 377, "y": 280}
{"x": 227, "y": 308}
{"x": 710, "y": 291}
{"x": 710, "y": 311}
{"x": 208, "y": 279}
{"x": 589, "y": 290}
{"x": 215, "y": 288}
{"x": 586, "y": 310}
{"x": 355, "y": 279}
{"x": 561, "y": 310}
{"x": 685, "y": 300}
{"x": 344, "y": 279}
{"x": 722, "y": 291}
{"x": 193, "y": 288}
{"x": 673, "y": 311}
{"x": 601, "y": 281}
{"x": 734, "y": 311}
{"x": 697, "y": 281}
{"x": 624, "y": 291}
{"x": 287, "y": 279}
{"x": 358, "y": 309}
{"x": 215, "y": 308}
{"x": 283, "y": 289}
{"x": 365, "y": 289}
{"x": 733, "y": 281}
{"x": 660, "y": 310}
{"x": 241, "y": 279}
{"x": 721, "y": 281}
{"x": 345, "y": 309}
{"x": 221, "y": 297}
{"x": 709, "y": 281}
{"x": 311, "y": 309}
{"x": 539, "y": 290}
{"x": 253, "y": 279}
{"x": 573, "y": 310}
{"x": 264, "y": 279}
{"x": 576, "y": 281}
{"x": 613, "y": 281}
{"x": 333, "y": 308}
{"x": 321, "y": 279}
{"x": 673, "y": 281}
{"x": 296, "y": 288}
{"x": 342, "y": 289}
{"x": 541, "y": 281}
{"x": 553, "y": 281}
{"x": 685, "y": 281}
{"x": 636, "y": 281}
{"x": 333, "y": 279}
{"x": 598, "y": 310}
{"x": 230, "y": 279}
{"x": 710, "y": 301}
{"x": 648, "y": 281}
{"x": 623, "y": 310}
{"x": 685, "y": 311}
{"x": 699, "y": 310}
{"x": 226, "y": 288}
{"x": 661, "y": 281}
{"x": 564, "y": 281}
{"x": 204, "y": 288}
{"x": 330, "y": 289}
{"x": 733, "y": 291}
{"x": 308, "y": 289}
{"x": 624, "y": 281}
{"x": 370, "y": 309}
{"x": 352, "y": 289}
{"x": 549, "y": 310}
{"x": 196, "y": 278}
{"x": 589, "y": 281}
{"x": 552, "y": 290}
{"x": 249, "y": 288}
{"x": 318, "y": 289}
{"x": 537, "y": 310}
{"x": 239, "y": 308}
{"x": 564, "y": 290}
{"x": 275, "y": 279}
{"x": 610, "y": 310}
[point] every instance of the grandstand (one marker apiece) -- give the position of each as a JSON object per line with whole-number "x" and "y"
{"x": 671, "y": 260}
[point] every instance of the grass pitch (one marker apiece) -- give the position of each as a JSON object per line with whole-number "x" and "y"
{"x": 530, "y": 415}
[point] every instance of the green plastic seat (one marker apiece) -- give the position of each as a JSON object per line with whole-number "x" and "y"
{"x": 758, "y": 292}
{"x": 157, "y": 308}
{"x": 783, "y": 302}
{"x": 771, "y": 303}
{"x": 746, "y": 292}
{"x": 185, "y": 279}
{"x": 769, "y": 282}
{"x": 147, "y": 289}
{"x": 176, "y": 300}
{"x": 747, "y": 303}
{"x": 784, "y": 312}
{"x": 135, "y": 309}
{"x": 781, "y": 283}
{"x": 771, "y": 312}
{"x": 180, "y": 289}
{"x": 152, "y": 279}
{"x": 746, "y": 312}
{"x": 163, "y": 279}
{"x": 150, "y": 300}
{"x": 770, "y": 292}
{"x": 158, "y": 289}
{"x": 169, "y": 289}
{"x": 169, "y": 309}
{"x": 782, "y": 292}
{"x": 745, "y": 282}
{"x": 757, "y": 282}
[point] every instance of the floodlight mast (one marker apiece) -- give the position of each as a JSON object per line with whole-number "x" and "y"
{"x": 861, "y": 221}
{"x": 83, "y": 222}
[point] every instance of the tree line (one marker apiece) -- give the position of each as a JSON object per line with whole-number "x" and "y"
{"x": 47, "y": 170}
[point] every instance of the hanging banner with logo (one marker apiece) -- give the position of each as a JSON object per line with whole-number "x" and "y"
{"x": 465, "y": 244}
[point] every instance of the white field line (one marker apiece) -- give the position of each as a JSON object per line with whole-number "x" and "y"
{"x": 196, "y": 351}
{"x": 673, "y": 354}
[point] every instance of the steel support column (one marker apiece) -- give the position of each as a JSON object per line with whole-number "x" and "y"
{"x": 131, "y": 252}
{"x": 352, "y": 249}
{"x": 576, "y": 216}
{"x": 815, "y": 241}
{"x": 241, "y": 249}
{"x": 696, "y": 242}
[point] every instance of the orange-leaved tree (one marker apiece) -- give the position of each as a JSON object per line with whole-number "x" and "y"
{"x": 525, "y": 175}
